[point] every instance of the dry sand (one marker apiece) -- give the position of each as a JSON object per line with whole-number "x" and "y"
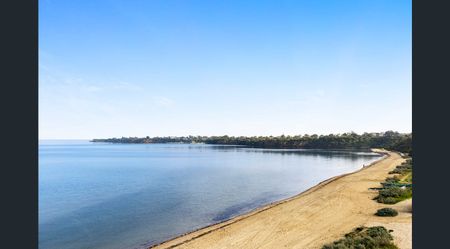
{"x": 311, "y": 219}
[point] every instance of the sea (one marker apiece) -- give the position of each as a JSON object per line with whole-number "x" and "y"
{"x": 132, "y": 196}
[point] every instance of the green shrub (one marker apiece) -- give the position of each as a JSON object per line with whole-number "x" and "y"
{"x": 393, "y": 194}
{"x": 393, "y": 179}
{"x": 364, "y": 238}
{"x": 405, "y": 167}
{"x": 387, "y": 200}
{"x": 399, "y": 187}
{"x": 386, "y": 212}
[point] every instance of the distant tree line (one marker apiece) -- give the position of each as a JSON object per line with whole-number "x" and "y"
{"x": 390, "y": 140}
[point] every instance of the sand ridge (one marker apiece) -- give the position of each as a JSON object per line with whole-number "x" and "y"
{"x": 320, "y": 215}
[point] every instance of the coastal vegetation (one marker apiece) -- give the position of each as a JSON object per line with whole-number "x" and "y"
{"x": 398, "y": 187}
{"x": 390, "y": 140}
{"x": 377, "y": 237}
{"x": 403, "y": 169}
{"x": 386, "y": 212}
{"x": 394, "y": 194}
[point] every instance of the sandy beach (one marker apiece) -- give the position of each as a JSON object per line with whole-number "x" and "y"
{"x": 311, "y": 219}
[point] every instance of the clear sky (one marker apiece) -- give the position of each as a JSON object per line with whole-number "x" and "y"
{"x": 110, "y": 68}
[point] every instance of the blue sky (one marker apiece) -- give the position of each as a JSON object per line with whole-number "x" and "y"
{"x": 165, "y": 67}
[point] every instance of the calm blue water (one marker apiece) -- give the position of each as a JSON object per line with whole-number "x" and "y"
{"x": 120, "y": 196}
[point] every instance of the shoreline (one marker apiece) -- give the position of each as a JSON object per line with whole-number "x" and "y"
{"x": 198, "y": 234}
{"x": 257, "y": 210}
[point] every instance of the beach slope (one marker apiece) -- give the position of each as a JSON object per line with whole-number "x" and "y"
{"x": 311, "y": 219}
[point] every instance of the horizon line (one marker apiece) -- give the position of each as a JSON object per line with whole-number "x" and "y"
{"x": 299, "y": 134}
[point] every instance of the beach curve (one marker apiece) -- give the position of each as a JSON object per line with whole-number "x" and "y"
{"x": 317, "y": 216}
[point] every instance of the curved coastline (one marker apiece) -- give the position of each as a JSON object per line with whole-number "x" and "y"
{"x": 184, "y": 239}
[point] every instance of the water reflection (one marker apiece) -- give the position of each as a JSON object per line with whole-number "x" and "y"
{"x": 352, "y": 154}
